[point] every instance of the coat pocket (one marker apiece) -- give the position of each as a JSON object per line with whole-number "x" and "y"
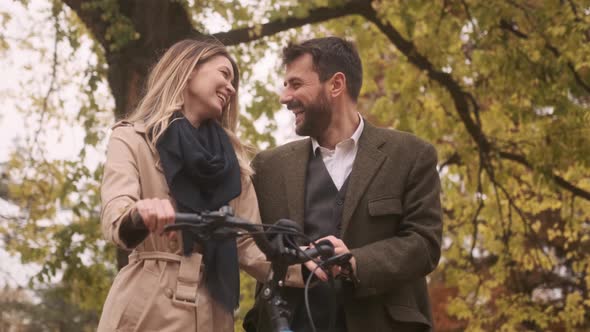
{"x": 143, "y": 287}
{"x": 385, "y": 206}
{"x": 408, "y": 319}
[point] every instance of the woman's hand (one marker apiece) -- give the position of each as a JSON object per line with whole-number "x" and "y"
{"x": 156, "y": 213}
{"x": 319, "y": 273}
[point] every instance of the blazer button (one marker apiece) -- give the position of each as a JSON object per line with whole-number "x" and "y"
{"x": 168, "y": 293}
{"x": 339, "y": 202}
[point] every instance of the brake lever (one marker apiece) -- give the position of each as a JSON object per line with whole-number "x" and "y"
{"x": 339, "y": 260}
{"x": 346, "y": 272}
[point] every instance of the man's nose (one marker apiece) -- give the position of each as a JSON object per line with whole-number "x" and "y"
{"x": 285, "y": 97}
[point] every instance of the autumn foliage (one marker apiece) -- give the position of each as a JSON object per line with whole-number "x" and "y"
{"x": 501, "y": 88}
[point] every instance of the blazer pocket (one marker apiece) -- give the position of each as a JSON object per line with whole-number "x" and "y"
{"x": 408, "y": 319}
{"x": 385, "y": 206}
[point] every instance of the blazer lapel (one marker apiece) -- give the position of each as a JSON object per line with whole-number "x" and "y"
{"x": 295, "y": 169}
{"x": 366, "y": 164}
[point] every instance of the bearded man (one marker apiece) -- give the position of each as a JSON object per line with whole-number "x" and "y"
{"x": 371, "y": 191}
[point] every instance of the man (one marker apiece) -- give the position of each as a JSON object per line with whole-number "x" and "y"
{"x": 372, "y": 192}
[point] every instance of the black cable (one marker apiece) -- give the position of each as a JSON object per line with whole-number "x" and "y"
{"x": 334, "y": 305}
{"x": 285, "y": 229}
{"x": 288, "y": 230}
{"x": 264, "y": 232}
{"x": 306, "y": 289}
{"x": 306, "y": 298}
{"x": 331, "y": 280}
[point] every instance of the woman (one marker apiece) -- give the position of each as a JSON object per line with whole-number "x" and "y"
{"x": 179, "y": 152}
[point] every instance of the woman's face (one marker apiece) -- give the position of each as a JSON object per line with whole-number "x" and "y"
{"x": 209, "y": 89}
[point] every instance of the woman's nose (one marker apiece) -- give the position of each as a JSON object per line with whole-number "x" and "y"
{"x": 230, "y": 89}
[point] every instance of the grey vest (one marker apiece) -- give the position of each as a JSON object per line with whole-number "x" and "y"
{"x": 323, "y": 201}
{"x": 323, "y": 216}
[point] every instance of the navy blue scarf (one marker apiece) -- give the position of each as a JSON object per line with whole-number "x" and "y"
{"x": 203, "y": 173}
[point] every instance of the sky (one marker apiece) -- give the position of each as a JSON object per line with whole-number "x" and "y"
{"x": 26, "y": 72}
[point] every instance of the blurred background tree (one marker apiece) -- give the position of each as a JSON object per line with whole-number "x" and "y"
{"x": 48, "y": 309}
{"x": 502, "y": 88}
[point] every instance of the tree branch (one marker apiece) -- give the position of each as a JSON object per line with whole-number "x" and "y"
{"x": 248, "y": 34}
{"x": 474, "y": 219}
{"x": 50, "y": 90}
{"x": 92, "y": 21}
{"x": 461, "y": 100}
{"x": 454, "y": 159}
{"x": 560, "y": 181}
{"x": 512, "y": 28}
{"x": 460, "y": 97}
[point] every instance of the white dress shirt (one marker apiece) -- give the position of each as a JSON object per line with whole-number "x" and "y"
{"x": 339, "y": 161}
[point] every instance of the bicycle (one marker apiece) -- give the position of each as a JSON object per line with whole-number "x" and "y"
{"x": 276, "y": 241}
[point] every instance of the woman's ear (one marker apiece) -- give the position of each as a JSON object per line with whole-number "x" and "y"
{"x": 337, "y": 84}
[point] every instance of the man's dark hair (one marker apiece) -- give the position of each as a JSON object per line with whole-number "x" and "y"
{"x": 330, "y": 55}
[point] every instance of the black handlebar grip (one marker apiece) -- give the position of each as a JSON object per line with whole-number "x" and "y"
{"x": 181, "y": 217}
{"x": 323, "y": 249}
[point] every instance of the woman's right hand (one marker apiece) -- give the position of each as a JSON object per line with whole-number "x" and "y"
{"x": 156, "y": 213}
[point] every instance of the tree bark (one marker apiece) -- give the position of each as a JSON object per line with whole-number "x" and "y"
{"x": 159, "y": 23}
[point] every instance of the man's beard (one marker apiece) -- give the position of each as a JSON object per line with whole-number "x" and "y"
{"x": 316, "y": 118}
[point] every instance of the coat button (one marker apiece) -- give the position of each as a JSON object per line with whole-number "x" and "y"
{"x": 339, "y": 202}
{"x": 168, "y": 293}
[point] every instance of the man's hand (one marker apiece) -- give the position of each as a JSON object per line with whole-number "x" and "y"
{"x": 339, "y": 248}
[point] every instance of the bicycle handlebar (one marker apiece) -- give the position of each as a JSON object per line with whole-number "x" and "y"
{"x": 206, "y": 224}
{"x": 213, "y": 221}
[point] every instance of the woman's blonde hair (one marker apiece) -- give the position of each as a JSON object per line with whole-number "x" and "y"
{"x": 166, "y": 83}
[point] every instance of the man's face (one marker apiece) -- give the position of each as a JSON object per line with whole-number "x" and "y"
{"x": 306, "y": 97}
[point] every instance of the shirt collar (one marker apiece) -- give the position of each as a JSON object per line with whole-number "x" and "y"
{"x": 355, "y": 136}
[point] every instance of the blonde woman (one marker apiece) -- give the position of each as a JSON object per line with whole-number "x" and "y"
{"x": 179, "y": 152}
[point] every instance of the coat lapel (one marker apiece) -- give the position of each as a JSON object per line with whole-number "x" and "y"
{"x": 366, "y": 164}
{"x": 295, "y": 169}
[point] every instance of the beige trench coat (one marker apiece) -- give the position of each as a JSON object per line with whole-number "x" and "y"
{"x": 160, "y": 289}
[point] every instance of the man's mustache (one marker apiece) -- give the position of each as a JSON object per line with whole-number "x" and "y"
{"x": 294, "y": 104}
